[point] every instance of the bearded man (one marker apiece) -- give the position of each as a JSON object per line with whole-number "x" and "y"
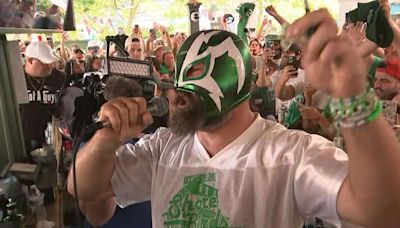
{"x": 387, "y": 82}
{"x": 221, "y": 165}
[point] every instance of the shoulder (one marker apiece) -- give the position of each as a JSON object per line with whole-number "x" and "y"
{"x": 57, "y": 74}
{"x": 162, "y": 138}
{"x": 278, "y": 139}
{"x": 155, "y": 144}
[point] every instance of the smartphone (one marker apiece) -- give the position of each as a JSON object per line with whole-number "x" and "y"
{"x": 269, "y": 44}
{"x": 274, "y": 45}
{"x": 292, "y": 60}
{"x": 153, "y": 34}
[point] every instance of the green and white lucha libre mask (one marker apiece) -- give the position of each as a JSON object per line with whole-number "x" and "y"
{"x": 225, "y": 81}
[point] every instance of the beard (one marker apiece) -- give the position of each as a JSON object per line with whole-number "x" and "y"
{"x": 386, "y": 95}
{"x": 188, "y": 115}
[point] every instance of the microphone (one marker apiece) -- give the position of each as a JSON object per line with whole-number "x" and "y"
{"x": 157, "y": 106}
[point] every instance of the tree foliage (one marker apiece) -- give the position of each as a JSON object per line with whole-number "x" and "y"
{"x": 103, "y": 17}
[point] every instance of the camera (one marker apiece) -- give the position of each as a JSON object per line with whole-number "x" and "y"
{"x": 93, "y": 84}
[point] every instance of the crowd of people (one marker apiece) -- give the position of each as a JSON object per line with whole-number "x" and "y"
{"x": 213, "y": 160}
{"x": 30, "y": 14}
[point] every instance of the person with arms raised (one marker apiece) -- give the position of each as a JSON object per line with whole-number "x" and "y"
{"x": 221, "y": 163}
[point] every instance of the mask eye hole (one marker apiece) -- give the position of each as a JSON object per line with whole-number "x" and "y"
{"x": 196, "y": 70}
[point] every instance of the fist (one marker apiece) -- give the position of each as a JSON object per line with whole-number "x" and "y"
{"x": 332, "y": 66}
{"x": 289, "y": 72}
{"x": 127, "y": 118}
{"x": 271, "y": 10}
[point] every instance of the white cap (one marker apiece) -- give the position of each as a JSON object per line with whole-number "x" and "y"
{"x": 40, "y": 50}
{"x": 94, "y": 43}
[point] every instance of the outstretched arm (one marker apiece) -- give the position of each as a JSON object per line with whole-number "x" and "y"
{"x": 370, "y": 195}
{"x": 95, "y": 161}
{"x": 272, "y": 11}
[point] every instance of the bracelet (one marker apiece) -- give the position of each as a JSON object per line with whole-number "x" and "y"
{"x": 357, "y": 110}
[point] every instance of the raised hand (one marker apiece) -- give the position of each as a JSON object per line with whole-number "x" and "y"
{"x": 265, "y": 21}
{"x": 331, "y": 64}
{"x": 356, "y": 32}
{"x": 288, "y": 73}
{"x": 268, "y": 54}
{"x": 64, "y": 37}
{"x": 272, "y": 11}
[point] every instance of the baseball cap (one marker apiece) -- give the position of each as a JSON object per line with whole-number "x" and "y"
{"x": 272, "y": 37}
{"x": 390, "y": 67}
{"x": 40, "y": 50}
{"x": 94, "y": 43}
{"x": 76, "y": 50}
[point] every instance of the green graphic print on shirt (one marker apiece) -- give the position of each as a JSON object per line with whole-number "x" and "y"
{"x": 196, "y": 205}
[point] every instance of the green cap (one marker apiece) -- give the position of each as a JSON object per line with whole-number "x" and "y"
{"x": 378, "y": 28}
{"x": 272, "y": 37}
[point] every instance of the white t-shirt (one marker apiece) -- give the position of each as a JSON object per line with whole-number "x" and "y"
{"x": 267, "y": 177}
{"x": 298, "y": 84}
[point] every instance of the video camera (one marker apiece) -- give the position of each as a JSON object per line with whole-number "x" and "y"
{"x": 93, "y": 83}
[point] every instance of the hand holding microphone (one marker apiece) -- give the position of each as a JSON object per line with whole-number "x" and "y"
{"x": 121, "y": 119}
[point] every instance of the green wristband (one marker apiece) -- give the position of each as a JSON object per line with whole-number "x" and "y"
{"x": 375, "y": 114}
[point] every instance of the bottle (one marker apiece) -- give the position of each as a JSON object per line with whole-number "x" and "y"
{"x": 13, "y": 216}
